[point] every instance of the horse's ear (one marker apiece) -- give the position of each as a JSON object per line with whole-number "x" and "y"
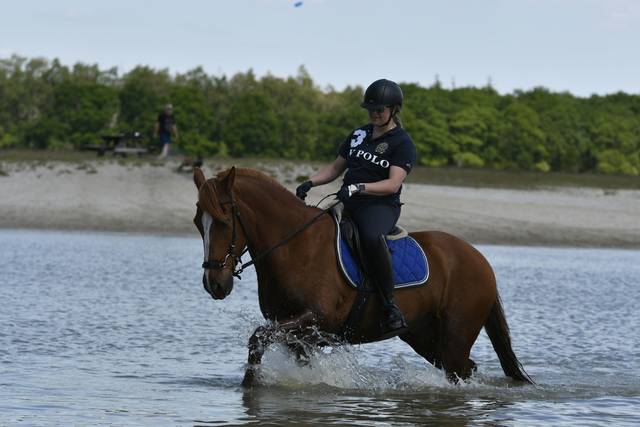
{"x": 229, "y": 179}
{"x": 198, "y": 177}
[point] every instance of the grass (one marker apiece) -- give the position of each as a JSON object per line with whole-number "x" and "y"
{"x": 44, "y": 156}
{"x": 463, "y": 177}
{"x": 494, "y": 178}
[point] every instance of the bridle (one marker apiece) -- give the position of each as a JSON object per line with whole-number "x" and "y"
{"x": 213, "y": 265}
{"x": 237, "y": 261}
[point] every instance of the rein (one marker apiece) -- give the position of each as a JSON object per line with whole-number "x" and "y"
{"x": 237, "y": 260}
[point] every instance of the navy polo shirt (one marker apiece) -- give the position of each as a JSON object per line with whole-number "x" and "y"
{"x": 370, "y": 160}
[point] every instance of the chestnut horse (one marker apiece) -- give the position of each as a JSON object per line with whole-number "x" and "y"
{"x": 304, "y": 295}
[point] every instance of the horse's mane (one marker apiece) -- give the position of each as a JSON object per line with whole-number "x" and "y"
{"x": 210, "y": 192}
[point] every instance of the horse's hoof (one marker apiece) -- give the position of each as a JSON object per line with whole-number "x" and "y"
{"x": 250, "y": 378}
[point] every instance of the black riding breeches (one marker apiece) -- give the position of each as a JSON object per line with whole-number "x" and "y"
{"x": 374, "y": 220}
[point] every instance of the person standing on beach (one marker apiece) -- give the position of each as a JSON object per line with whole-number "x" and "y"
{"x": 377, "y": 157}
{"x": 166, "y": 124}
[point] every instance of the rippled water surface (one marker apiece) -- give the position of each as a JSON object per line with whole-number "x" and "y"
{"x": 116, "y": 330}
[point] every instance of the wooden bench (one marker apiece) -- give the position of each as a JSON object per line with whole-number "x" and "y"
{"x": 121, "y": 144}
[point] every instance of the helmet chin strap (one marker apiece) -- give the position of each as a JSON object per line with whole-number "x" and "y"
{"x": 393, "y": 113}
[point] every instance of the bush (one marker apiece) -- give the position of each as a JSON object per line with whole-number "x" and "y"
{"x": 613, "y": 161}
{"x": 470, "y": 160}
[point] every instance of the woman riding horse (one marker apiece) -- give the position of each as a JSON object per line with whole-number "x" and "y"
{"x": 305, "y": 296}
{"x": 377, "y": 158}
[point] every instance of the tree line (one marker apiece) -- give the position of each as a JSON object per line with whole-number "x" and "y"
{"x": 47, "y": 105}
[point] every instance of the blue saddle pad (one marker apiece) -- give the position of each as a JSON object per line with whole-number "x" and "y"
{"x": 410, "y": 264}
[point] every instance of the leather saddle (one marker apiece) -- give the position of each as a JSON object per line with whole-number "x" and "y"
{"x": 410, "y": 264}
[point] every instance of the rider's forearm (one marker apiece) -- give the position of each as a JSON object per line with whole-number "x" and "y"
{"x": 381, "y": 188}
{"x": 387, "y": 186}
{"x": 329, "y": 173}
{"x": 326, "y": 175}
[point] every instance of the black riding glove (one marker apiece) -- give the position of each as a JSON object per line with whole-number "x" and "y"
{"x": 342, "y": 194}
{"x": 303, "y": 189}
{"x": 346, "y": 192}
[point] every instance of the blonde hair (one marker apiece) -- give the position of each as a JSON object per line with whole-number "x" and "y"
{"x": 398, "y": 109}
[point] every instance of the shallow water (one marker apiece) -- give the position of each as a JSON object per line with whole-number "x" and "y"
{"x": 116, "y": 330}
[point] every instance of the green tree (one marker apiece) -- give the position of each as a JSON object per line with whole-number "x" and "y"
{"x": 193, "y": 119}
{"x": 340, "y": 114}
{"x": 431, "y": 136}
{"x": 566, "y": 135}
{"x": 473, "y": 129}
{"x": 85, "y": 107}
{"x": 521, "y": 143}
{"x": 138, "y": 108}
{"x": 24, "y": 94}
{"x": 615, "y": 143}
{"x": 48, "y": 132}
{"x": 253, "y": 128}
{"x": 296, "y": 103}
{"x": 47, "y": 105}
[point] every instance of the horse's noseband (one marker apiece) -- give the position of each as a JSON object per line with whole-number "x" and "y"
{"x": 213, "y": 265}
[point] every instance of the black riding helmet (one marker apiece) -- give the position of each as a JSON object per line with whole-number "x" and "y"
{"x": 382, "y": 93}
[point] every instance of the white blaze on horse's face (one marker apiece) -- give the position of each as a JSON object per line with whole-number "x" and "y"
{"x": 207, "y": 220}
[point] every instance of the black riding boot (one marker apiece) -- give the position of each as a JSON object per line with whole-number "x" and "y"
{"x": 381, "y": 267}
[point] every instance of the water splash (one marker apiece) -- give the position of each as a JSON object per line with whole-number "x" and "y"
{"x": 342, "y": 367}
{"x": 347, "y": 367}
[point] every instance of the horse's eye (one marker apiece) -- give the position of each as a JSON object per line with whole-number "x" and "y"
{"x": 223, "y": 225}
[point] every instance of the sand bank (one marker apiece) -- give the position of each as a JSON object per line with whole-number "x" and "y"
{"x": 152, "y": 198}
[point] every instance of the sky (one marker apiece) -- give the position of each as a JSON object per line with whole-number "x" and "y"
{"x": 583, "y": 47}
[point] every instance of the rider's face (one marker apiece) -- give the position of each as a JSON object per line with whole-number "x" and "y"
{"x": 379, "y": 118}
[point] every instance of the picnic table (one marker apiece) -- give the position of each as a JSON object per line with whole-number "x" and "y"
{"x": 121, "y": 144}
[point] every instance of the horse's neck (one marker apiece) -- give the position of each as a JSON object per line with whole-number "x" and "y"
{"x": 275, "y": 214}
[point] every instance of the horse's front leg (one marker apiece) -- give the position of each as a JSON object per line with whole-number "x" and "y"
{"x": 263, "y": 336}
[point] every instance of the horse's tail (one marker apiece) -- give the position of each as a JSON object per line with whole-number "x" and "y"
{"x": 498, "y": 331}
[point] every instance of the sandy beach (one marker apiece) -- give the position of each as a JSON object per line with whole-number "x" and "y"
{"x": 151, "y": 197}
